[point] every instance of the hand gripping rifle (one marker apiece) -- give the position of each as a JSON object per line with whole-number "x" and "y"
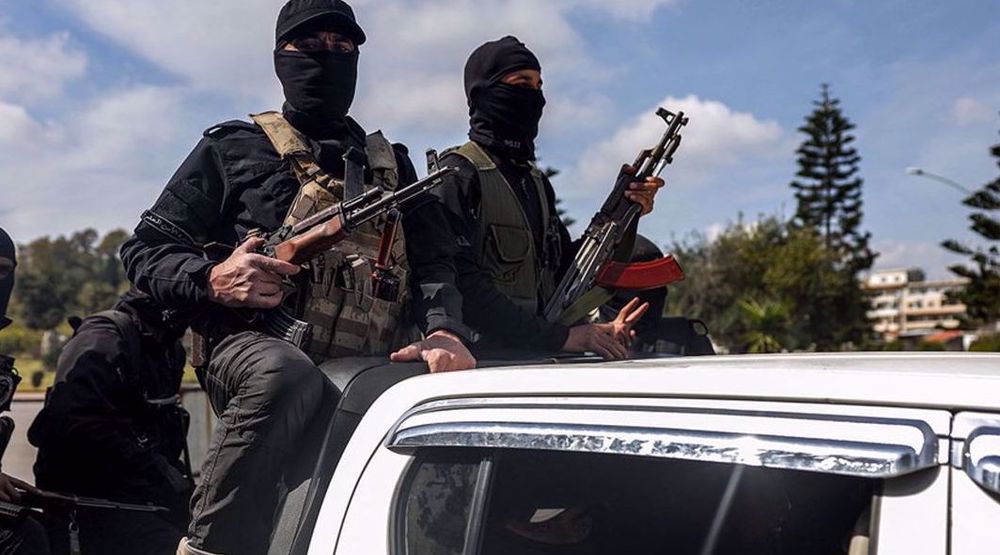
{"x": 594, "y": 272}
{"x": 318, "y": 233}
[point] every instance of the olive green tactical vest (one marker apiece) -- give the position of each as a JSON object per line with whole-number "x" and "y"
{"x": 507, "y": 251}
{"x": 347, "y": 320}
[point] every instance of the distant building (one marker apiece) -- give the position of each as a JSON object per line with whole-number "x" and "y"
{"x": 904, "y": 304}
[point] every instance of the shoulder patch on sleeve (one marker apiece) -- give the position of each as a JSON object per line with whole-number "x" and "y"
{"x": 166, "y": 227}
{"x": 222, "y": 129}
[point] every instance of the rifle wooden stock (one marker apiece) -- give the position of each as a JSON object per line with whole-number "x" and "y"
{"x": 299, "y": 249}
{"x": 640, "y": 276}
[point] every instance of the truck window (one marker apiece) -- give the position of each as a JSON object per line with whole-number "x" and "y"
{"x": 436, "y": 509}
{"x": 544, "y": 502}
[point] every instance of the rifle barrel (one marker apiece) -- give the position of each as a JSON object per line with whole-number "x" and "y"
{"x": 353, "y": 218}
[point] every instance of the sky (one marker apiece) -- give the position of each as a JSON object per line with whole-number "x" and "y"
{"x": 100, "y": 100}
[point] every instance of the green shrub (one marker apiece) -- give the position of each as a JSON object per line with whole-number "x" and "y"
{"x": 19, "y": 340}
{"x": 930, "y": 346}
{"x": 894, "y": 345}
{"x": 986, "y": 344}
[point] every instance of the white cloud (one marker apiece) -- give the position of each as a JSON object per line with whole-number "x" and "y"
{"x": 37, "y": 67}
{"x": 969, "y": 110}
{"x": 98, "y": 169}
{"x": 632, "y": 10}
{"x": 222, "y": 45}
{"x": 18, "y": 130}
{"x": 714, "y": 231}
{"x": 715, "y": 138}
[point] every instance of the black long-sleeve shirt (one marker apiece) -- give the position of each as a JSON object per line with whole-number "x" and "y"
{"x": 232, "y": 182}
{"x": 452, "y": 290}
{"x": 97, "y": 435}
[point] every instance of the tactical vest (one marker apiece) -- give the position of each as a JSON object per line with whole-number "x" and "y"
{"x": 337, "y": 298}
{"x": 507, "y": 251}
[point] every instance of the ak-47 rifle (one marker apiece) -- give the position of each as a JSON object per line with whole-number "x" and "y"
{"x": 50, "y": 501}
{"x": 594, "y": 273}
{"x": 66, "y": 506}
{"x": 299, "y": 243}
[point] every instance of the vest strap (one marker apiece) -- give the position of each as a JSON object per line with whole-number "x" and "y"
{"x": 382, "y": 161}
{"x": 292, "y": 145}
{"x": 476, "y": 155}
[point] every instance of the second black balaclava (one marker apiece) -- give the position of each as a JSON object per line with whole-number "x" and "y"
{"x": 501, "y": 116}
{"x": 6, "y": 281}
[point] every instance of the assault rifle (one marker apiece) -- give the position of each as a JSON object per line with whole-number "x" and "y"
{"x": 58, "y": 502}
{"x": 66, "y": 506}
{"x": 318, "y": 233}
{"x": 594, "y": 272}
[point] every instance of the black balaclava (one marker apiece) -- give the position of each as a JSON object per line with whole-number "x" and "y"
{"x": 503, "y": 117}
{"x": 319, "y": 87}
{"x": 6, "y": 282}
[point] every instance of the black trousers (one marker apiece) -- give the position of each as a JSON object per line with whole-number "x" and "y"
{"x": 111, "y": 532}
{"x": 22, "y": 536}
{"x": 266, "y": 393}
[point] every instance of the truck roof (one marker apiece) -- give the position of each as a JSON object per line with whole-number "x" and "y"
{"x": 952, "y": 381}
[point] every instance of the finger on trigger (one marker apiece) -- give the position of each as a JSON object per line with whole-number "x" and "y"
{"x": 276, "y": 266}
{"x": 268, "y": 288}
{"x": 250, "y": 245}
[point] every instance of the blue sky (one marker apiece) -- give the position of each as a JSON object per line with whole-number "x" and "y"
{"x": 101, "y": 99}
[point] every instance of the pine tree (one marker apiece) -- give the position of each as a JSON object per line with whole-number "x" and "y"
{"x": 567, "y": 220}
{"x": 829, "y": 189}
{"x": 982, "y": 296}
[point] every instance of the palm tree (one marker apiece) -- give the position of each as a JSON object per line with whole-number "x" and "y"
{"x": 765, "y": 323}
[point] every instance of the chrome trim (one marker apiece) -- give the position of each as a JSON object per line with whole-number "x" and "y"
{"x": 830, "y": 456}
{"x": 986, "y": 470}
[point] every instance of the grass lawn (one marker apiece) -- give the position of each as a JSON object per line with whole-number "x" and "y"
{"x": 27, "y": 367}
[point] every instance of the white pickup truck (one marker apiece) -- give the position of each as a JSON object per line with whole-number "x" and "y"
{"x": 895, "y": 454}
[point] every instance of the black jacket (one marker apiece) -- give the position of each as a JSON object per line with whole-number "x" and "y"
{"x": 97, "y": 435}
{"x": 451, "y": 290}
{"x": 232, "y": 182}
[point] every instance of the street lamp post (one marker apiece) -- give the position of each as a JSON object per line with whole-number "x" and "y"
{"x": 923, "y": 173}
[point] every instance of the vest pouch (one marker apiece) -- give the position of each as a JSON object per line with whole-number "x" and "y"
{"x": 321, "y": 301}
{"x": 384, "y": 331}
{"x": 507, "y": 248}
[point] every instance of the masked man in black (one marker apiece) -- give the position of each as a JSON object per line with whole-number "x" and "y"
{"x": 244, "y": 177}
{"x": 488, "y": 255}
{"x": 19, "y": 535}
{"x": 8, "y": 261}
{"x": 112, "y": 428}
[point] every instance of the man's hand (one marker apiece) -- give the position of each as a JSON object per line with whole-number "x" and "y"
{"x": 621, "y": 326}
{"x": 11, "y": 488}
{"x": 643, "y": 192}
{"x": 443, "y": 351}
{"x": 611, "y": 340}
{"x": 247, "y": 279}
